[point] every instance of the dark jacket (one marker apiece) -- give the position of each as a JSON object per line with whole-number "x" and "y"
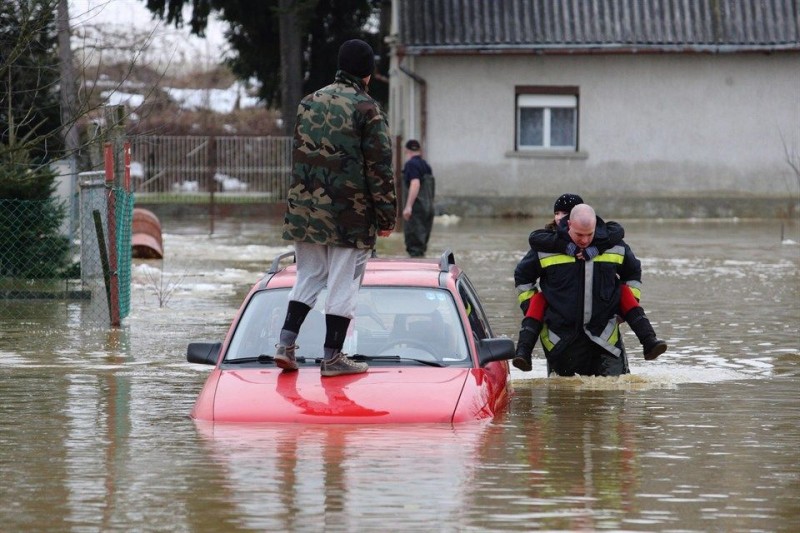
{"x": 342, "y": 191}
{"x": 549, "y": 239}
{"x": 582, "y": 296}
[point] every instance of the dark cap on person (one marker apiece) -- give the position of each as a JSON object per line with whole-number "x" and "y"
{"x": 413, "y": 145}
{"x": 566, "y": 202}
{"x": 357, "y": 58}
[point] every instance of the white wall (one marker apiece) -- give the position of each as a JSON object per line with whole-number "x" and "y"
{"x": 649, "y": 124}
{"x": 66, "y": 191}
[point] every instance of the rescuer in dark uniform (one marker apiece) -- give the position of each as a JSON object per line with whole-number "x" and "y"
{"x": 581, "y": 332}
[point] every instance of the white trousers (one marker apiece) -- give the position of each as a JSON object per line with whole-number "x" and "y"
{"x": 338, "y": 268}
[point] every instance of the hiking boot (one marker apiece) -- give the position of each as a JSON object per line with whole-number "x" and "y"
{"x": 284, "y": 357}
{"x": 341, "y": 365}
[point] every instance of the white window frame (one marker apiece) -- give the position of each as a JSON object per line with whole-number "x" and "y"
{"x": 547, "y": 102}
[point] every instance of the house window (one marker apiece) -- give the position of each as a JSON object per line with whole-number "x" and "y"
{"x": 547, "y": 120}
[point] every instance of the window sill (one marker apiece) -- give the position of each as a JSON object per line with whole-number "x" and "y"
{"x": 547, "y": 154}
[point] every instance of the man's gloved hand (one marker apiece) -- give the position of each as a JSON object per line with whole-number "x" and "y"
{"x": 572, "y": 249}
{"x": 590, "y": 253}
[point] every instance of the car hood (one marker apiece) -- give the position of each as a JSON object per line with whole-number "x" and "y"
{"x": 381, "y": 395}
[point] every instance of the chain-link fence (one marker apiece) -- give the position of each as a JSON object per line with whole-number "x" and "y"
{"x": 40, "y": 265}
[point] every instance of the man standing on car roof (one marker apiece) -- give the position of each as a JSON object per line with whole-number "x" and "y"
{"x": 342, "y": 197}
{"x": 580, "y": 333}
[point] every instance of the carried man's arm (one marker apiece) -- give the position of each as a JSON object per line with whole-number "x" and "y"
{"x": 526, "y": 275}
{"x": 630, "y": 272}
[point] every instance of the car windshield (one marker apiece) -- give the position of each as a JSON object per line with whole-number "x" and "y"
{"x": 407, "y": 322}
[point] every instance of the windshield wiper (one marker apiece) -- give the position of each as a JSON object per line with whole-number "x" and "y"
{"x": 359, "y": 357}
{"x": 268, "y": 359}
{"x": 263, "y": 359}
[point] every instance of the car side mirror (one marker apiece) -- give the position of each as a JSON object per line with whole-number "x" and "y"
{"x": 203, "y": 353}
{"x": 499, "y": 349}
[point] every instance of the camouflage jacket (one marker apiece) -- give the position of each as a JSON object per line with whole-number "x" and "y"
{"x": 342, "y": 191}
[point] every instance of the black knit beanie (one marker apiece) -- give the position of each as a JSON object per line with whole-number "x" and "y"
{"x": 357, "y": 58}
{"x": 413, "y": 145}
{"x": 566, "y": 202}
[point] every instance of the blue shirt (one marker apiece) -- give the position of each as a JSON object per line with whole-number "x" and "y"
{"x": 414, "y": 169}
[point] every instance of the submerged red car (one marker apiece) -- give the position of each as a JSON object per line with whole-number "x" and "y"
{"x": 419, "y": 324}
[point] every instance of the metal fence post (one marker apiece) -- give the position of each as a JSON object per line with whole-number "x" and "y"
{"x": 212, "y": 172}
{"x": 112, "y": 235}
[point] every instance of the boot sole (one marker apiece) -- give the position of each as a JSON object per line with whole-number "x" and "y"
{"x": 522, "y": 364}
{"x": 655, "y": 352}
{"x": 333, "y": 373}
{"x": 287, "y": 365}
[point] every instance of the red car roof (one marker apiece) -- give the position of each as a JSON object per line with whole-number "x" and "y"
{"x": 389, "y": 271}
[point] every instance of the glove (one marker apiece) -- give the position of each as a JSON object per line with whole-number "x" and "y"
{"x": 572, "y": 249}
{"x": 590, "y": 253}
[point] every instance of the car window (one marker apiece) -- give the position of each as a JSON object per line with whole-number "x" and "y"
{"x": 475, "y": 314}
{"x": 413, "y": 322}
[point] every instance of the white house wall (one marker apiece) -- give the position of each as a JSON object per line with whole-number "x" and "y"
{"x": 649, "y": 125}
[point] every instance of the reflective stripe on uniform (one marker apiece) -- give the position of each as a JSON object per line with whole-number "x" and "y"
{"x": 525, "y": 291}
{"x": 525, "y": 296}
{"x": 614, "y": 255}
{"x": 548, "y": 260}
{"x": 588, "y": 295}
{"x": 548, "y": 338}
{"x": 524, "y": 287}
{"x": 608, "y": 338}
{"x": 636, "y": 288}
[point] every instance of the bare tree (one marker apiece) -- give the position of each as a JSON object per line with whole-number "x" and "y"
{"x": 37, "y": 63}
{"x": 792, "y": 158}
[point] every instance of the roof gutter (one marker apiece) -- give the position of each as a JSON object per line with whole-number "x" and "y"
{"x": 423, "y": 99}
{"x": 560, "y": 49}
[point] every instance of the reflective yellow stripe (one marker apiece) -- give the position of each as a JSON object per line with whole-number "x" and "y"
{"x": 545, "y": 338}
{"x": 637, "y": 293}
{"x": 612, "y": 340}
{"x": 609, "y": 258}
{"x": 552, "y": 260}
{"x": 526, "y": 295}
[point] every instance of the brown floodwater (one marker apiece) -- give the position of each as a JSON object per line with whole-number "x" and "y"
{"x": 96, "y": 437}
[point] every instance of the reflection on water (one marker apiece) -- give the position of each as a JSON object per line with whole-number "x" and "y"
{"x": 96, "y": 435}
{"x": 345, "y": 477}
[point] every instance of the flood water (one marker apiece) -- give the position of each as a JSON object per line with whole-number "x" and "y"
{"x": 96, "y": 437}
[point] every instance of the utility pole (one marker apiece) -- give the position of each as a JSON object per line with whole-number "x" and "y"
{"x": 291, "y": 63}
{"x": 69, "y": 97}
